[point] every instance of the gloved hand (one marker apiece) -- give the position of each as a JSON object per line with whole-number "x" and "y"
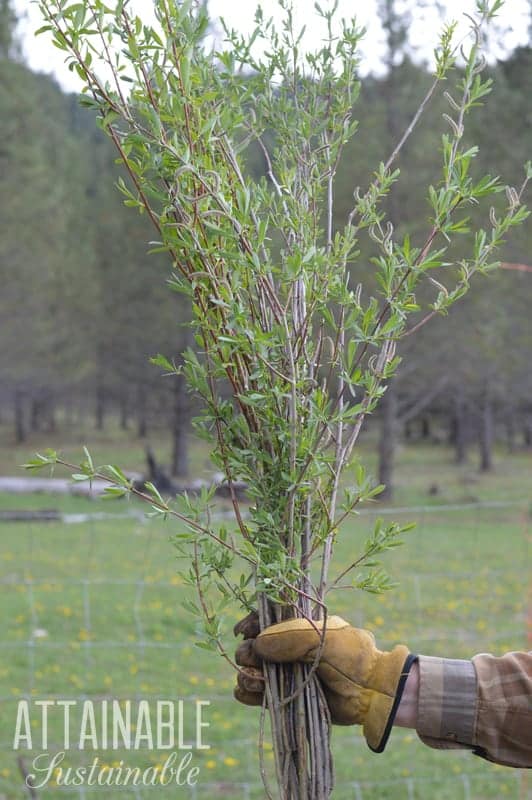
{"x": 362, "y": 685}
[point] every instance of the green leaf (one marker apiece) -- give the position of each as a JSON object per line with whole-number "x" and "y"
{"x": 44, "y": 29}
{"x": 210, "y": 646}
{"x": 161, "y": 361}
{"x": 89, "y": 459}
{"x": 152, "y": 489}
{"x": 49, "y": 458}
{"x": 113, "y": 492}
{"x": 116, "y": 473}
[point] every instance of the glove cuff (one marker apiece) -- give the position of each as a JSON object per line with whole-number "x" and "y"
{"x": 384, "y": 705}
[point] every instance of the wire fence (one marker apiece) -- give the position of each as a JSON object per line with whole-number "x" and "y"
{"x": 91, "y": 611}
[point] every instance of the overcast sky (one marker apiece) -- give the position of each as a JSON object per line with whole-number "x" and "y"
{"x": 42, "y": 56}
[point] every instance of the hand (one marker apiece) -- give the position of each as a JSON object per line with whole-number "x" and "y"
{"x": 363, "y": 685}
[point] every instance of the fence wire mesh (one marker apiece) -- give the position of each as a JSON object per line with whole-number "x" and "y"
{"x": 92, "y": 611}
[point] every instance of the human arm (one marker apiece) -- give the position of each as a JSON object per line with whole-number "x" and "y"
{"x": 407, "y": 710}
{"x": 483, "y": 704}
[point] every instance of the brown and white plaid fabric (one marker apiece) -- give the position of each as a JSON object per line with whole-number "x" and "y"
{"x": 484, "y": 705}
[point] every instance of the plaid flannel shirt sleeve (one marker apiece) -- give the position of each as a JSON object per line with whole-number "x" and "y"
{"x": 484, "y": 704}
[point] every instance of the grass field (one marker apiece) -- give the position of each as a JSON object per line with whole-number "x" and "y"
{"x": 420, "y": 468}
{"x": 93, "y": 610}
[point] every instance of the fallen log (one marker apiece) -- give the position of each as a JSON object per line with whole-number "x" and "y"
{"x": 40, "y": 515}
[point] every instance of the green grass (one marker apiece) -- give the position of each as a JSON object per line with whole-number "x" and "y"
{"x": 110, "y": 446}
{"x": 108, "y": 596}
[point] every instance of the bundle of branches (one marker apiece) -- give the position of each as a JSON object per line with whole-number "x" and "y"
{"x": 306, "y": 353}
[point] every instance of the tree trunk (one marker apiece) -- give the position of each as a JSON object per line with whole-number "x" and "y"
{"x": 180, "y": 428}
{"x": 80, "y": 411}
{"x": 453, "y": 430}
{"x": 527, "y": 434}
{"x": 387, "y": 440}
{"x": 460, "y": 428}
{"x": 52, "y": 424}
{"x": 69, "y": 412}
{"x": 425, "y": 428}
{"x": 99, "y": 411}
{"x": 124, "y": 413}
{"x": 510, "y": 431}
{"x": 20, "y": 428}
{"x": 142, "y": 425}
{"x": 486, "y": 433}
{"x": 49, "y": 410}
{"x": 35, "y": 414}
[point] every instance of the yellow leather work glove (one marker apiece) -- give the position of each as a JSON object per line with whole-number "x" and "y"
{"x": 362, "y": 684}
